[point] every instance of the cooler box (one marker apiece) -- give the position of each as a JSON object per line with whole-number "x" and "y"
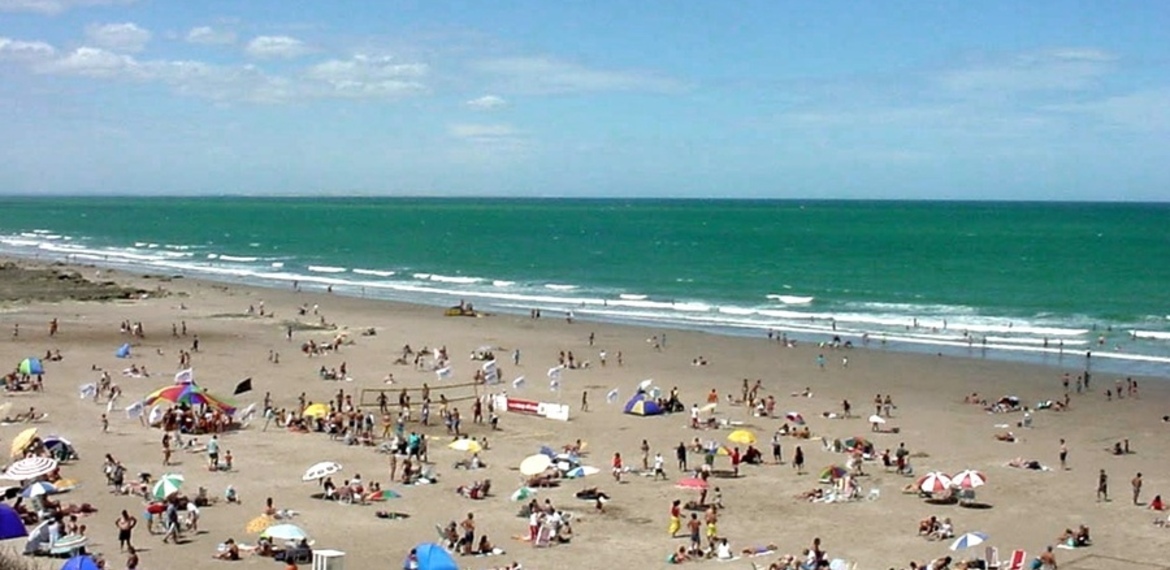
{"x": 328, "y": 560}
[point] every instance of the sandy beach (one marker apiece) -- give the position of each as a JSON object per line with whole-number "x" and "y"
{"x": 1020, "y": 508}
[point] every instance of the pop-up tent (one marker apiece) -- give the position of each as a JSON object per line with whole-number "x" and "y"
{"x": 431, "y": 556}
{"x": 642, "y": 405}
{"x": 123, "y": 351}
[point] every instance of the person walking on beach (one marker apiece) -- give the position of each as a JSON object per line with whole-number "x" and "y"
{"x": 680, "y": 453}
{"x": 1102, "y": 487}
{"x": 1137, "y": 487}
{"x": 659, "y": 470}
{"x": 1063, "y": 455}
{"x": 776, "y": 448}
{"x": 798, "y": 460}
{"x": 617, "y": 467}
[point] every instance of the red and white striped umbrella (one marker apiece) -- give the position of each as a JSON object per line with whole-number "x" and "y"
{"x": 934, "y": 482}
{"x": 969, "y": 479}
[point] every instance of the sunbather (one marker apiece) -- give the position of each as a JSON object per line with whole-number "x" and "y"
{"x": 1006, "y": 436}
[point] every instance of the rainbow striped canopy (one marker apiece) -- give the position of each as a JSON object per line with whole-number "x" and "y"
{"x": 191, "y": 395}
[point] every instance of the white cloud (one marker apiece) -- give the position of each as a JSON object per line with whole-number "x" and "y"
{"x": 267, "y": 47}
{"x": 210, "y": 36}
{"x": 1067, "y": 69}
{"x": 54, "y": 7}
{"x": 95, "y": 62}
{"x": 547, "y": 76}
{"x": 21, "y": 51}
{"x": 125, "y": 37}
{"x": 482, "y": 132}
{"x": 364, "y": 76}
{"x": 486, "y": 103}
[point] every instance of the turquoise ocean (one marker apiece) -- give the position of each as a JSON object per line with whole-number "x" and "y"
{"x": 1041, "y": 282}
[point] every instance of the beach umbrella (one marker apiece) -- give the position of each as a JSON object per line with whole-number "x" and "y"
{"x": 466, "y": 444}
{"x": 37, "y": 489}
{"x": 581, "y": 471}
{"x": 10, "y": 524}
{"x": 691, "y": 483}
{"x": 968, "y": 540}
{"x": 321, "y": 470}
{"x": 191, "y": 395}
{"x": 933, "y": 482}
{"x": 31, "y": 366}
{"x": 877, "y": 419}
{"x": 316, "y": 411}
{"x": 80, "y": 563}
{"x": 431, "y": 556}
{"x": 522, "y": 494}
{"x": 969, "y": 479}
{"x": 388, "y": 494}
{"x": 795, "y": 418}
{"x": 535, "y": 464}
{"x": 22, "y": 441}
{"x": 833, "y": 472}
{"x": 259, "y": 524}
{"x": 166, "y": 486}
{"x": 742, "y": 437}
{"x": 69, "y": 543}
{"x": 30, "y": 468}
{"x": 285, "y": 532}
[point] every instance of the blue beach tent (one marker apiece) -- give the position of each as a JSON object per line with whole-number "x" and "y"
{"x": 643, "y": 405}
{"x": 432, "y": 557}
{"x": 80, "y": 563}
{"x": 10, "y": 524}
{"x": 123, "y": 351}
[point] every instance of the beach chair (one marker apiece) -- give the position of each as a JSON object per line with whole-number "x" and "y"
{"x": 1017, "y": 560}
{"x": 543, "y": 537}
{"x": 991, "y": 558}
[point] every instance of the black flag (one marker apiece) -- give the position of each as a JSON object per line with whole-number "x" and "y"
{"x": 245, "y": 385}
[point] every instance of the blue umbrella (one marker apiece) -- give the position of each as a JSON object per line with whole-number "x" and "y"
{"x": 80, "y": 563}
{"x": 10, "y": 524}
{"x": 31, "y": 366}
{"x": 37, "y": 489}
{"x": 434, "y": 557}
{"x": 968, "y": 540}
{"x": 123, "y": 351}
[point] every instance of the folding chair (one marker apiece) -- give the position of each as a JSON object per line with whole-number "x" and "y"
{"x": 1017, "y": 560}
{"x": 992, "y": 558}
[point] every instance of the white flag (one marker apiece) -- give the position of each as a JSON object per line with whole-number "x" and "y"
{"x": 444, "y": 372}
{"x": 555, "y": 372}
{"x": 518, "y": 383}
{"x": 186, "y": 376}
{"x": 110, "y": 406}
{"x": 136, "y": 409}
{"x": 489, "y": 366}
{"x": 492, "y": 377}
{"x": 612, "y": 396}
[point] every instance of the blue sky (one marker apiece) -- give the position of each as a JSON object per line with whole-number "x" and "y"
{"x": 946, "y": 99}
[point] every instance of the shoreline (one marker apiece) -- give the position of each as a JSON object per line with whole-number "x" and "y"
{"x": 1072, "y": 359}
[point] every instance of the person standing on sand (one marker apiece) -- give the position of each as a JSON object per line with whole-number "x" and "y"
{"x": 1063, "y": 455}
{"x": 680, "y": 453}
{"x": 585, "y": 400}
{"x": 1137, "y": 487}
{"x": 776, "y": 448}
{"x": 798, "y": 460}
{"x": 1102, "y": 486}
{"x": 675, "y": 518}
{"x": 617, "y": 467}
{"x": 125, "y": 524}
{"x": 645, "y": 455}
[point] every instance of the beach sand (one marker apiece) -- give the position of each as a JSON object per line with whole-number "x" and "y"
{"x": 1025, "y": 509}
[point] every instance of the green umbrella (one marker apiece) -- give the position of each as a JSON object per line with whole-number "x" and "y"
{"x": 167, "y": 485}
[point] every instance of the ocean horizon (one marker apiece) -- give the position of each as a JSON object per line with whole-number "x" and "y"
{"x": 1043, "y": 282}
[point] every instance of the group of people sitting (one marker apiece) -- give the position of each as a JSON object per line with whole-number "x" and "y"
{"x": 934, "y": 529}
{"x": 186, "y": 420}
{"x": 476, "y": 490}
{"x": 1075, "y": 538}
{"x": 352, "y": 491}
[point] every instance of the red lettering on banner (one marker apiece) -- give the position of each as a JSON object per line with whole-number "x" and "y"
{"x": 523, "y": 406}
